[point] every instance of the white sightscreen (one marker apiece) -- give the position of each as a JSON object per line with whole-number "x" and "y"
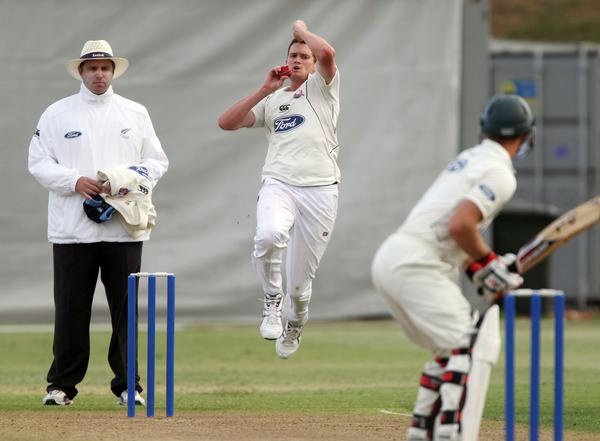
{"x": 399, "y": 62}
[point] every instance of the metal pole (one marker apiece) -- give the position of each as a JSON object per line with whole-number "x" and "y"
{"x": 534, "y": 386}
{"x": 583, "y": 257}
{"x": 131, "y": 343}
{"x": 559, "y": 317}
{"x": 170, "y": 345}
{"x": 509, "y": 382}
{"x": 151, "y": 344}
{"x": 538, "y": 154}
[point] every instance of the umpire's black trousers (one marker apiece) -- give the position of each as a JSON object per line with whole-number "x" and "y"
{"x": 76, "y": 268}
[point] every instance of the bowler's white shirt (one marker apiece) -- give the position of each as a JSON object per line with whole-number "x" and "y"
{"x": 79, "y": 135}
{"x": 484, "y": 175}
{"x": 301, "y": 132}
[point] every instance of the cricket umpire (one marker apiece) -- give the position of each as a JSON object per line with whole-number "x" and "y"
{"x": 298, "y": 199}
{"x": 77, "y": 136}
{"x": 417, "y": 270}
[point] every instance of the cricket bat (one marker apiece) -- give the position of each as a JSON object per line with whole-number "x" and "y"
{"x": 558, "y": 233}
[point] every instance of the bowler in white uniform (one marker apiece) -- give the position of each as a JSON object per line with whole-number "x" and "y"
{"x": 298, "y": 199}
{"x": 417, "y": 271}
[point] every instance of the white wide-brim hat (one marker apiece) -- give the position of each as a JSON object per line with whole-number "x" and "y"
{"x": 97, "y": 50}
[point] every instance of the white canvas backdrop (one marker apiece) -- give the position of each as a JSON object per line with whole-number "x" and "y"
{"x": 400, "y": 70}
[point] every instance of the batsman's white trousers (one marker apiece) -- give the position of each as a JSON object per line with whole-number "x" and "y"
{"x": 300, "y": 219}
{"x": 423, "y": 294}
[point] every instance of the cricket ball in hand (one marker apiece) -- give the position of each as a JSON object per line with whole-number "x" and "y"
{"x": 283, "y": 70}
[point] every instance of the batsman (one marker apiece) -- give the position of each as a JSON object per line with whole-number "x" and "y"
{"x": 297, "y": 202}
{"x": 417, "y": 271}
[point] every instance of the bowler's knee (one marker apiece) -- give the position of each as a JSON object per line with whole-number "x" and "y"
{"x": 302, "y": 292}
{"x": 267, "y": 239}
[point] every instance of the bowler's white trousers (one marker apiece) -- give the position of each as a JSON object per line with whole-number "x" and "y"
{"x": 423, "y": 294}
{"x": 300, "y": 219}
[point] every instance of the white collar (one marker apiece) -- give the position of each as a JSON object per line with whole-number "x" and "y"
{"x": 93, "y": 98}
{"x": 498, "y": 150}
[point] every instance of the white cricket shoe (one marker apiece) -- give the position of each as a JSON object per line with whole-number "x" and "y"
{"x": 447, "y": 432}
{"x": 416, "y": 434}
{"x": 271, "y": 327}
{"x": 122, "y": 400}
{"x": 289, "y": 342}
{"x": 56, "y": 397}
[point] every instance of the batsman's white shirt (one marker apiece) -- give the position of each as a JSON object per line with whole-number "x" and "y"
{"x": 484, "y": 175}
{"x": 301, "y": 131}
{"x": 79, "y": 135}
{"x": 417, "y": 268}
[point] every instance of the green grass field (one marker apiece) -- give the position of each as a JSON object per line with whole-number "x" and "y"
{"x": 349, "y": 367}
{"x": 546, "y": 20}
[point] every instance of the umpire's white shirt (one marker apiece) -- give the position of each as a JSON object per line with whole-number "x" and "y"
{"x": 301, "y": 131}
{"x": 79, "y": 135}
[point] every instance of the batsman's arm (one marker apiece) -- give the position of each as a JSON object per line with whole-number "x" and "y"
{"x": 321, "y": 49}
{"x": 490, "y": 273}
{"x": 463, "y": 228}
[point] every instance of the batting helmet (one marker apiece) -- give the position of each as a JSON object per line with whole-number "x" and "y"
{"x": 507, "y": 116}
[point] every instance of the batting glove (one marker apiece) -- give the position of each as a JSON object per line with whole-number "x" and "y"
{"x": 492, "y": 275}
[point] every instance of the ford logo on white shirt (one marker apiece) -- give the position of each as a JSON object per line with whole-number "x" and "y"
{"x": 73, "y": 134}
{"x": 287, "y": 123}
